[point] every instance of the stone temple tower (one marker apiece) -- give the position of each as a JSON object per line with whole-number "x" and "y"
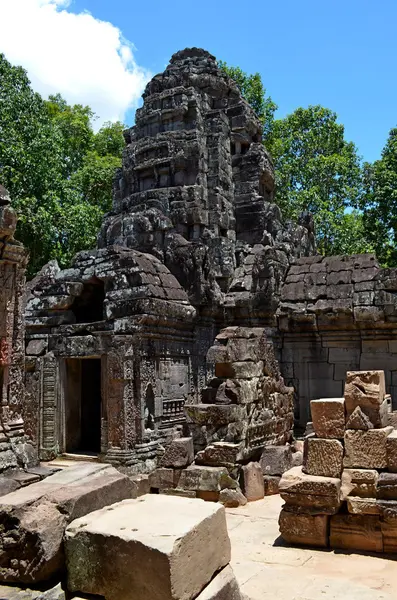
{"x": 117, "y": 344}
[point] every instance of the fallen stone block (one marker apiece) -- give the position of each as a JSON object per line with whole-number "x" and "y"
{"x": 387, "y": 486}
{"x": 275, "y": 460}
{"x": 219, "y": 454}
{"x": 163, "y": 479}
{"x": 271, "y": 483}
{"x": 391, "y": 449}
{"x": 359, "y": 420}
{"x": 328, "y": 417}
{"x": 232, "y": 498}
{"x": 359, "y": 482}
{"x": 304, "y": 530}
{"x": 205, "y": 479}
{"x": 8, "y": 485}
{"x": 170, "y": 548}
{"x": 297, "y": 459}
{"x": 313, "y": 494}
{"x": 33, "y": 518}
{"x": 141, "y": 483}
{"x": 356, "y": 532}
{"x": 252, "y": 481}
{"x": 224, "y": 586}
{"x": 239, "y": 370}
{"x": 366, "y": 449}
{"x": 179, "y": 453}
{"x": 367, "y": 390}
{"x": 323, "y": 457}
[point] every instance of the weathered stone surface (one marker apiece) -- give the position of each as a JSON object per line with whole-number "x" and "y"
{"x": 252, "y": 481}
{"x": 7, "y": 485}
{"x": 142, "y": 484}
{"x": 232, "y": 498}
{"x": 367, "y": 390}
{"x": 35, "y": 517}
{"x": 356, "y": 532}
{"x": 156, "y": 540}
{"x": 224, "y": 586}
{"x": 163, "y": 478}
{"x": 387, "y": 486}
{"x": 363, "y": 506}
{"x": 359, "y": 482}
{"x": 271, "y": 483}
{"x": 275, "y": 460}
{"x": 310, "y": 492}
{"x": 391, "y": 449}
{"x": 328, "y": 417}
{"x": 205, "y": 479}
{"x": 305, "y": 530}
{"x": 178, "y": 454}
{"x": 222, "y": 454}
{"x": 323, "y": 457}
{"x": 389, "y": 533}
{"x": 366, "y": 449}
{"x": 358, "y": 420}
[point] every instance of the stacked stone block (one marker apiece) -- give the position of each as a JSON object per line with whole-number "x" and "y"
{"x": 345, "y": 494}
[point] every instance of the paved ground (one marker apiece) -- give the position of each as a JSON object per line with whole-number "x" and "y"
{"x": 265, "y": 568}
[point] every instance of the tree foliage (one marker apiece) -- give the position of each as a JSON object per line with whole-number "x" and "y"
{"x": 58, "y": 171}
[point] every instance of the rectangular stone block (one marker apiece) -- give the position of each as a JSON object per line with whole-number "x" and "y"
{"x": 146, "y": 548}
{"x": 203, "y": 479}
{"x": 304, "y": 530}
{"x": 162, "y": 479}
{"x": 312, "y": 493}
{"x": 387, "y": 486}
{"x": 359, "y": 483}
{"x": 391, "y": 449}
{"x": 322, "y": 457}
{"x": 356, "y": 532}
{"x": 366, "y": 449}
{"x": 271, "y": 483}
{"x": 178, "y": 453}
{"x": 275, "y": 460}
{"x": 367, "y": 390}
{"x": 389, "y": 533}
{"x": 363, "y": 506}
{"x": 252, "y": 481}
{"x": 328, "y": 416}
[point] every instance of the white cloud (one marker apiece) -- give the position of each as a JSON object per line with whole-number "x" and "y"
{"x": 86, "y": 60}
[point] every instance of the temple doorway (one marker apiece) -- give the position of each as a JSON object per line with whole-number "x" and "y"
{"x": 83, "y": 406}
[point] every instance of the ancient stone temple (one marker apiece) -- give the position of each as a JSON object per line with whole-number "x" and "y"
{"x": 117, "y": 344}
{"x": 14, "y": 449}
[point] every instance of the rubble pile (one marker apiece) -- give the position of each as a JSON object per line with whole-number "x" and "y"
{"x": 345, "y": 494}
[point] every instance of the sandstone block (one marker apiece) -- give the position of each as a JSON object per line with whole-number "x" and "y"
{"x": 141, "y": 483}
{"x": 323, "y": 457}
{"x": 232, "y": 498}
{"x": 178, "y": 453}
{"x": 35, "y": 517}
{"x": 224, "y": 586}
{"x": 387, "y": 486}
{"x": 391, "y": 449}
{"x": 366, "y": 449}
{"x": 205, "y": 479}
{"x": 356, "y": 532}
{"x": 219, "y": 454}
{"x": 389, "y": 533}
{"x": 239, "y": 370}
{"x": 363, "y": 506}
{"x": 367, "y": 390}
{"x": 359, "y": 482}
{"x": 297, "y": 459}
{"x": 271, "y": 483}
{"x": 162, "y": 479}
{"x": 328, "y": 416}
{"x": 358, "y": 420}
{"x": 252, "y": 481}
{"x": 304, "y": 530}
{"x": 155, "y": 540}
{"x": 275, "y": 460}
{"x": 310, "y": 492}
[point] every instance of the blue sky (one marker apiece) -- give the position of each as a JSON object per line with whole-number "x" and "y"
{"x": 338, "y": 53}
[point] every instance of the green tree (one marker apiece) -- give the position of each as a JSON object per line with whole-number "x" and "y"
{"x": 379, "y": 202}
{"x": 253, "y": 90}
{"x": 317, "y": 170}
{"x": 110, "y": 140}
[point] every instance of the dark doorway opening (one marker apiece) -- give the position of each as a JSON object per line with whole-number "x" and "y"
{"x": 83, "y": 406}
{"x": 88, "y": 307}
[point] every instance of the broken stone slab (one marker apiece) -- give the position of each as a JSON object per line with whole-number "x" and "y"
{"x": 215, "y": 414}
{"x": 358, "y": 420}
{"x": 141, "y": 483}
{"x": 356, "y": 532}
{"x": 387, "y": 486}
{"x": 367, "y": 390}
{"x": 237, "y": 391}
{"x": 206, "y": 479}
{"x": 220, "y": 454}
{"x": 363, "y": 506}
{"x": 366, "y": 449}
{"x": 239, "y": 370}
{"x": 391, "y": 450}
{"x": 359, "y": 482}
{"x": 162, "y": 479}
{"x": 33, "y": 518}
{"x": 275, "y": 460}
{"x": 328, "y": 417}
{"x": 311, "y": 493}
{"x": 304, "y": 530}
{"x": 232, "y": 498}
{"x": 179, "y": 453}
{"x": 155, "y": 540}
{"x": 322, "y": 457}
{"x": 8, "y": 485}
{"x": 224, "y": 586}
{"x": 271, "y": 484}
{"x": 252, "y": 481}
